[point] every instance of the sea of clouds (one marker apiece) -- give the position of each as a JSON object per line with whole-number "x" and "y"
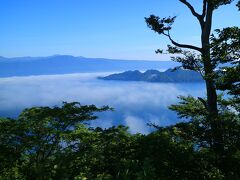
{"x": 135, "y": 103}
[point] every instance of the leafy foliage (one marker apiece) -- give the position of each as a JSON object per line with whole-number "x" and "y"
{"x": 160, "y": 25}
{"x": 55, "y": 143}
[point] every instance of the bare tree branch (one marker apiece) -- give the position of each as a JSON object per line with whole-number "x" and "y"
{"x": 203, "y": 102}
{"x": 198, "y": 16}
{"x": 182, "y": 45}
{"x": 191, "y": 8}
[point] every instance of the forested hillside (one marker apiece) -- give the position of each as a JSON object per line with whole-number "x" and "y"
{"x": 169, "y": 76}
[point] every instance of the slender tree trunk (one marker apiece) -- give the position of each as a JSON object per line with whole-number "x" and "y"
{"x": 210, "y": 84}
{"x": 208, "y": 67}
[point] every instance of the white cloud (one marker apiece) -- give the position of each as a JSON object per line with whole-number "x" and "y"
{"x": 133, "y": 101}
{"x": 136, "y": 125}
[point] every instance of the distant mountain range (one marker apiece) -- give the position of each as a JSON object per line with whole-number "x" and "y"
{"x": 170, "y": 75}
{"x": 64, "y": 64}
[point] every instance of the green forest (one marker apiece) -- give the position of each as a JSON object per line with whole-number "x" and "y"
{"x": 57, "y": 143}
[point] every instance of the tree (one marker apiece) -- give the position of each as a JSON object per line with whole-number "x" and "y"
{"x": 226, "y": 48}
{"x": 39, "y": 139}
{"x": 203, "y": 59}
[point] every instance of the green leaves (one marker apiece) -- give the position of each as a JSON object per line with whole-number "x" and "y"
{"x": 190, "y": 107}
{"x": 160, "y": 25}
{"x": 54, "y": 142}
{"x": 217, "y": 3}
{"x": 225, "y": 45}
{"x": 226, "y": 49}
{"x": 238, "y": 5}
{"x": 40, "y": 136}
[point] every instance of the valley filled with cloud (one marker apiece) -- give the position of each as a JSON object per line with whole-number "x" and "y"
{"x": 135, "y": 103}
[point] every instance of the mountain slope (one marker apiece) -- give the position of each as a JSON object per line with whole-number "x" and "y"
{"x": 62, "y": 64}
{"x": 171, "y": 76}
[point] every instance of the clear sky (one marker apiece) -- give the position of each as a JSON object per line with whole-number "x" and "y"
{"x": 97, "y": 28}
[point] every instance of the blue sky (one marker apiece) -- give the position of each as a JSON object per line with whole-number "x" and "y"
{"x": 97, "y": 28}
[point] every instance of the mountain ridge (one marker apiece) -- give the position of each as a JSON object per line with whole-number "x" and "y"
{"x": 65, "y": 64}
{"x": 152, "y": 75}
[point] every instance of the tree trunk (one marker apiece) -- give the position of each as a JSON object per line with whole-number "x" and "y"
{"x": 212, "y": 108}
{"x": 208, "y": 67}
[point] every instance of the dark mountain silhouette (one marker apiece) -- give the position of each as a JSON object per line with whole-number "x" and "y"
{"x": 170, "y": 75}
{"x": 63, "y": 64}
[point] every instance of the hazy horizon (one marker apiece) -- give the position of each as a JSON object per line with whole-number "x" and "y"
{"x": 79, "y": 56}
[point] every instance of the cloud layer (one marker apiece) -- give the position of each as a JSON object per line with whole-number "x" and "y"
{"x": 135, "y": 103}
